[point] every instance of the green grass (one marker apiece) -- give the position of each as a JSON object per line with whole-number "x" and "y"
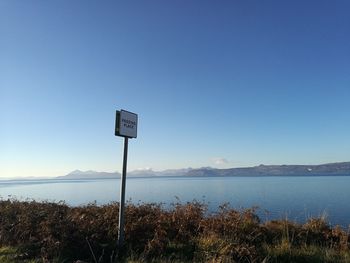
{"x": 307, "y": 254}
{"x": 7, "y": 254}
{"x": 12, "y": 255}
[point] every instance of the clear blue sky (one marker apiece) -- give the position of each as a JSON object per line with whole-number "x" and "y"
{"x": 222, "y": 84}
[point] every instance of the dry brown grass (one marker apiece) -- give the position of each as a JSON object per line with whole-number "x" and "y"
{"x": 185, "y": 232}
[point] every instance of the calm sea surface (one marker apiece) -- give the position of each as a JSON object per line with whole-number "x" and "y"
{"x": 296, "y": 198}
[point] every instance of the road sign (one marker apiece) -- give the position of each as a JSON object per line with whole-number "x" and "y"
{"x": 126, "y": 124}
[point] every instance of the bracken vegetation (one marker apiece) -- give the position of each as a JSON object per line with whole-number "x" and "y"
{"x": 54, "y": 232}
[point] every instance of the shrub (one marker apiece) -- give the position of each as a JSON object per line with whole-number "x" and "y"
{"x": 184, "y": 232}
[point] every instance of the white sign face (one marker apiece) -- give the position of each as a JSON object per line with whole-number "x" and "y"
{"x": 128, "y": 124}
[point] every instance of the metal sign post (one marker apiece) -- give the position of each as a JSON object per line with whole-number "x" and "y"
{"x": 122, "y": 195}
{"x": 125, "y": 126}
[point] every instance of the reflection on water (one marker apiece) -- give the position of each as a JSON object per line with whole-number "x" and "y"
{"x": 297, "y": 198}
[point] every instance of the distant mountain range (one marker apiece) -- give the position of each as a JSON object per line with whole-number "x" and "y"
{"x": 77, "y": 174}
{"x": 261, "y": 170}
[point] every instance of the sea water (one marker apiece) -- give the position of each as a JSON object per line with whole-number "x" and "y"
{"x": 296, "y": 198}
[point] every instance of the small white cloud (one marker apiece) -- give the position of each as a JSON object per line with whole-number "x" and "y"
{"x": 219, "y": 161}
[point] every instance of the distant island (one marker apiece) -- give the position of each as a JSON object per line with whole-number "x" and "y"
{"x": 330, "y": 169}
